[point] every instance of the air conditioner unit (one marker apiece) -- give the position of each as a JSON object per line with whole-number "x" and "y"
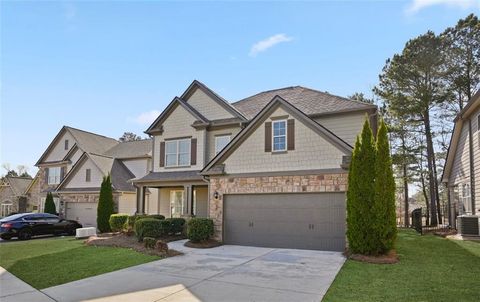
{"x": 85, "y": 232}
{"x": 468, "y": 225}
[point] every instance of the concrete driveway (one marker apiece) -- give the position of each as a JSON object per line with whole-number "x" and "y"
{"x": 226, "y": 273}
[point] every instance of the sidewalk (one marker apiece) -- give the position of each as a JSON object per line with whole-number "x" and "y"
{"x": 13, "y": 289}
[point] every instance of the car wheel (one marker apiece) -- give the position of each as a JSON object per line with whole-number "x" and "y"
{"x": 6, "y": 237}
{"x": 71, "y": 232}
{"x": 25, "y": 234}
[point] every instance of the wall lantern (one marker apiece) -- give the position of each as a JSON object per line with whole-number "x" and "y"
{"x": 216, "y": 195}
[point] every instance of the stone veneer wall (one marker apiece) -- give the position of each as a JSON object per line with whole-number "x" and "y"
{"x": 269, "y": 184}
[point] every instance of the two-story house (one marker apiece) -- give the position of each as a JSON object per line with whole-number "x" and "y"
{"x": 462, "y": 169}
{"x": 270, "y": 170}
{"x": 73, "y": 167}
{"x": 13, "y": 198}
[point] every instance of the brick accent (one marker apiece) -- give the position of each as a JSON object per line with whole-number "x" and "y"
{"x": 269, "y": 184}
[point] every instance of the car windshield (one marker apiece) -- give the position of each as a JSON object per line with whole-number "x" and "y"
{"x": 12, "y": 217}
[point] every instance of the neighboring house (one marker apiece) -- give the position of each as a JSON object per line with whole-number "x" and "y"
{"x": 462, "y": 166}
{"x": 12, "y": 195}
{"x": 73, "y": 167}
{"x": 270, "y": 170}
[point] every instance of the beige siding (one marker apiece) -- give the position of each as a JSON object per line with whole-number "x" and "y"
{"x": 211, "y": 139}
{"x": 207, "y": 107}
{"x": 127, "y": 203}
{"x": 345, "y": 126}
{"x": 201, "y": 201}
{"x": 58, "y": 151}
{"x": 311, "y": 152}
{"x": 476, "y": 157}
{"x": 151, "y": 202}
{"x": 178, "y": 125}
{"x": 139, "y": 167}
{"x": 78, "y": 179}
{"x": 74, "y": 158}
{"x": 460, "y": 169}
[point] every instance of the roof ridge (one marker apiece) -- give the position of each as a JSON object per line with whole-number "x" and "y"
{"x": 101, "y": 155}
{"x": 337, "y": 96}
{"x": 135, "y": 141}
{"x": 21, "y": 177}
{"x": 266, "y": 91}
{"x": 89, "y": 132}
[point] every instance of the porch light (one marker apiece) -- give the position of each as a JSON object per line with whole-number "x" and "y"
{"x": 216, "y": 195}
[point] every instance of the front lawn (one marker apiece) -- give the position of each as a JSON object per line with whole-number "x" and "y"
{"x": 431, "y": 268}
{"x": 52, "y": 261}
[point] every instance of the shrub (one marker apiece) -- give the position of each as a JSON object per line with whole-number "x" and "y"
{"x": 131, "y": 221}
{"x": 176, "y": 225}
{"x": 50, "y": 205}
{"x": 156, "y": 216}
{"x": 152, "y": 227}
{"x": 149, "y": 242}
{"x": 105, "y": 205}
{"x": 117, "y": 222}
{"x": 199, "y": 229}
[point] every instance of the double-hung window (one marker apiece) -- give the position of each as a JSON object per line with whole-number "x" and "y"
{"x": 466, "y": 199}
{"x": 177, "y": 153}
{"x": 220, "y": 142}
{"x": 54, "y": 175}
{"x": 279, "y": 137}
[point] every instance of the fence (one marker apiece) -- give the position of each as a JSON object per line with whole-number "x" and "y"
{"x": 421, "y": 225}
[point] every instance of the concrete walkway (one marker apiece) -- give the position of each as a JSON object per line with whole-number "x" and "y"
{"x": 226, "y": 273}
{"x": 13, "y": 289}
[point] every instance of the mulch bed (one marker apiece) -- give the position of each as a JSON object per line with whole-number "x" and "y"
{"x": 390, "y": 258}
{"x": 445, "y": 233}
{"x": 203, "y": 244}
{"x": 130, "y": 242}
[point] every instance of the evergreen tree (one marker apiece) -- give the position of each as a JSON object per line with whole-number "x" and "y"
{"x": 49, "y": 205}
{"x": 105, "y": 205}
{"x": 385, "y": 227}
{"x": 360, "y": 195}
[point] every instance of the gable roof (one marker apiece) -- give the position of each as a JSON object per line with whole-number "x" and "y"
{"x": 18, "y": 184}
{"x": 132, "y": 149}
{"x": 87, "y": 141}
{"x": 309, "y": 101}
{"x": 170, "y": 108}
{"x": 463, "y": 115}
{"x": 275, "y": 103}
{"x": 214, "y": 96}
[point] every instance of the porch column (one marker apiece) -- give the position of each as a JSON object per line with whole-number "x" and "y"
{"x": 187, "y": 209}
{"x": 141, "y": 200}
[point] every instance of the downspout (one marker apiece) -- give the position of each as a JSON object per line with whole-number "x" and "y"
{"x": 206, "y": 179}
{"x": 472, "y": 170}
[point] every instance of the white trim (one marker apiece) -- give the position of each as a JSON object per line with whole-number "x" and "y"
{"x": 273, "y": 135}
{"x": 54, "y": 179}
{"x": 177, "y": 152}
{"x": 216, "y": 142}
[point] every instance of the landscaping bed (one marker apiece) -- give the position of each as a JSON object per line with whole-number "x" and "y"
{"x": 131, "y": 242}
{"x": 431, "y": 268}
{"x": 205, "y": 244}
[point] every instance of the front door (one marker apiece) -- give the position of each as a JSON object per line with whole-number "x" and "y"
{"x": 176, "y": 203}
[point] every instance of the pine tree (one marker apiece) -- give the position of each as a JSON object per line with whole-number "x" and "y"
{"x": 385, "y": 228}
{"x": 360, "y": 194}
{"x": 105, "y": 205}
{"x": 50, "y": 205}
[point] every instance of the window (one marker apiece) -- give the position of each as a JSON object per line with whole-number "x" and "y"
{"x": 88, "y": 175}
{"x": 54, "y": 175}
{"x": 220, "y": 142}
{"x": 466, "y": 199}
{"x": 176, "y": 203}
{"x": 279, "y": 135}
{"x": 66, "y": 144}
{"x": 5, "y": 210}
{"x": 177, "y": 153}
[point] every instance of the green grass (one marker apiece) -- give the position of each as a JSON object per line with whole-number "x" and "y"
{"x": 47, "y": 262}
{"x": 431, "y": 268}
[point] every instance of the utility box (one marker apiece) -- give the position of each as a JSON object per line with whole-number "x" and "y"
{"x": 468, "y": 225}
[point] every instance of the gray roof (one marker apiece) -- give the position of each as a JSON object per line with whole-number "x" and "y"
{"x": 19, "y": 184}
{"x": 309, "y": 101}
{"x": 118, "y": 171}
{"x": 133, "y": 149}
{"x": 91, "y": 142}
{"x": 171, "y": 176}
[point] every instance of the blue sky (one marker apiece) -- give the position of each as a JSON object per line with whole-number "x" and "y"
{"x": 110, "y": 67}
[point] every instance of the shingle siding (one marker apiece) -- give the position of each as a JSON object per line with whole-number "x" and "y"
{"x": 211, "y": 139}
{"x": 207, "y": 107}
{"x": 78, "y": 179}
{"x": 345, "y": 126}
{"x": 58, "y": 151}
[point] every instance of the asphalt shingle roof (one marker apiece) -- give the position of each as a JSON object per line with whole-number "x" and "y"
{"x": 91, "y": 142}
{"x": 309, "y": 101}
{"x": 141, "y": 148}
{"x": 19, "y": 184}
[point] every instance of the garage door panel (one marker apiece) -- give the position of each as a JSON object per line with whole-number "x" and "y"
{"x": 83, "y": 212}
{"x": 306, "y": 221}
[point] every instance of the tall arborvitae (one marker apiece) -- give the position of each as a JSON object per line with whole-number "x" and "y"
{"x": 360, "y": 194}
{"x": 50, "y": 205}
{"x": 385, "y": 226}
{"x": 105, "y": 205}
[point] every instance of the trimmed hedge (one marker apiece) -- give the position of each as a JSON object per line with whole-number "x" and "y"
{"x": 148, "y": 227}
{"x": 156, "y": 216}
{"x": 117, "y": 222}
{"x": 130, "y": 223}
{"x": 200, "y": 229}
{"x": 177, "y": 225}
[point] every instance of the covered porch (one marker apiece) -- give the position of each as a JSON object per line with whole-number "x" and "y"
{"x": 172, "y": 194}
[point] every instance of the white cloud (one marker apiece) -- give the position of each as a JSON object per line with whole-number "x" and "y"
{"x": 145, "y": 118}
{"x": 267, "y": 43}
{"x": 417, "y": 5}
{"x": 69, "y": 10}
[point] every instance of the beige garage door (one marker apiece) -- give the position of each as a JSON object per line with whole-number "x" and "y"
{"x": 83, "y": 212}
{"x": 299, "y": 221}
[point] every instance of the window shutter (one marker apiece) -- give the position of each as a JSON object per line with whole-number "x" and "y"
{"x": 193, "y": 152}
{"x": 291, "y": 134}
{"x": 162, "y": 154}
{"x": 46, "y": 175}
{"x": 62, "y": 173}
{"x": 268, "y": 137}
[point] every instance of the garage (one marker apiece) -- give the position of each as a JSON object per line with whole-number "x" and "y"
{"x": 289, "y": 220}
{"x": 83, "y": 212}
